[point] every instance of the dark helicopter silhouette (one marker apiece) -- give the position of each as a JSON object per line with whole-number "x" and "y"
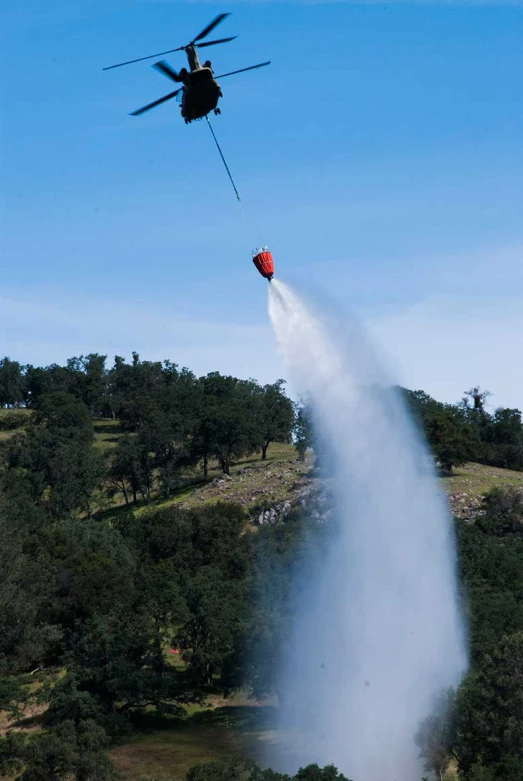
{"x": 200, "y": 92}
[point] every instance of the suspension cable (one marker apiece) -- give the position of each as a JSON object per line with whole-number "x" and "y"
{"x": 223, "y": 158}
{"x": 246, "y": 216}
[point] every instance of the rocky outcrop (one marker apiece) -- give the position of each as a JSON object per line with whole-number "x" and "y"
{"x": 270, "y": 490}
{"x": 464, "y": 506}
{"x": 267, "y": 490}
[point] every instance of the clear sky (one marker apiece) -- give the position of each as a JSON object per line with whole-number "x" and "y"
{"x": 380, "y": 156}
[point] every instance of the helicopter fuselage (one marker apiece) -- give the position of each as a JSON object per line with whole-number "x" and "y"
{"x": 201, "y": 93}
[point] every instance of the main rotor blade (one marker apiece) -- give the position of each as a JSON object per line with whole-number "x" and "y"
{"x": 242, "y": 70}
{"x": 141, "y": 59}
{"x": 205, "y": 32}
{"x": 155, "y": 103}
{"x": 211, "y": 43}
{"x": 166, "y": 69}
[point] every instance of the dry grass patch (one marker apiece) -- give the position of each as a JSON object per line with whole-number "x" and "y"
{"x": 168, "y": 748}
{"x": 477, "y": 479}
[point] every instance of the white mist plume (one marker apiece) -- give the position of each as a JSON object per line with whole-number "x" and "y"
{"x": 378, "y": 632}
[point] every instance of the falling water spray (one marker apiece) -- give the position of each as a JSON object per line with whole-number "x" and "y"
{"x": 377, "y": 632}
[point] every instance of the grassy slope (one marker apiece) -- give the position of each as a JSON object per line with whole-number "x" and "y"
{"x": 253, "y": 483}
{"x": 6, "y": 414}
{"x": 106, "y": 433}
{"x": 476, "y": 479}
{"x": 256, "y": 483}
{"x": 469, "y": 482}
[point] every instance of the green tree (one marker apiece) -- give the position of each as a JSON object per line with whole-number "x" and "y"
{"x": 131, "y": 388}
{"x": 450, "y": 437}
{"x": 502, "y": 439}
{"x": 237, "y": 769}
{"x": 160, "y": 404}
{"x": 316, "y": 773}
{"x": 277, "y": 416}
{"x": 64, "y": 752}
{"x": 217, "y": 611}
{"x": 88, "y": 381}
{"x": 216, "y": 592}
{"x": 490, "y": 713}
{"x": 124, "y": 473}
{"x": 29, "y": 631}
{"x": 229, "y": 426}
{"x": 12, "y": 383}
{"x": 42, "y": 381}
{"x": 110, "y": 659}
{"x": 419, "y": 404}
{"x": 193, "y": 575}
{"x": 452, "y": 432}
{"x": 115, "y": 618}
{"x": 61, "y": 413}
{"x": 479, "y": 772}
{"x": 492, "y": 571}
{"x": 502, "y": 511}
{"x": 56, "y": 458}
{"x": 92, "y": 569}
{"x": 303, "y": 431}
{"x": 474, "y": 401}
{"x": 234, "y": 769}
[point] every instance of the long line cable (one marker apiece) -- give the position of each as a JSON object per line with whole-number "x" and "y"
{"x": 246, "y": 216}
{"x": 223, "y": 158}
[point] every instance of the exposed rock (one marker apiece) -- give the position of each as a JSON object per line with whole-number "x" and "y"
{"x": 465, "y": 507}
{"x": 268, "y": 490}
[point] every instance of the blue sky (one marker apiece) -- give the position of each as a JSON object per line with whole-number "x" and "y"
{"x": 380, "y": 156}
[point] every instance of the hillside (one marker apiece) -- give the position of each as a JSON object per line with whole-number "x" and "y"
{"x": 267, "y": 489}
{"x": 214, "y": 726}
{"x": 469, "y": 482}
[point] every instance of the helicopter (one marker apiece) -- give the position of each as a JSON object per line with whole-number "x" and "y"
{"x": 200, "y": 92}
